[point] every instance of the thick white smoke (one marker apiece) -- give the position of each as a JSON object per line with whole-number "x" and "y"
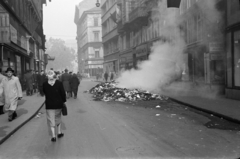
{"x": 166, "y": 61}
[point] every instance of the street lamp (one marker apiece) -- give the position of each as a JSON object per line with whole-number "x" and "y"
{"x": 97, "y": 3}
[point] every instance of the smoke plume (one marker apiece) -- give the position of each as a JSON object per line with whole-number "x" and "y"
{"x": 166, "y": 61}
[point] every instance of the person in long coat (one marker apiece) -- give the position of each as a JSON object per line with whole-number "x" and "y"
{"x": 29, "y": 82}
{"x": 41, "y": 79}
{"x": 55, "y": 98}
{"x": 66, "y": 82}
{"x": 12, "y": 92}
{"x": 74, "y": 82}
{"x": 2, "y": 100}
{"x": 106, "y": 76}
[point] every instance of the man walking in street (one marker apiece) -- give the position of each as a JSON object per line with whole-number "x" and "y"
{"x": 66, "y": 84}
{"x": 12, "y": 92}
{"x": 106, "y": 76}
{"x": 41, "y": 79}
{"x": 28, "y": 77}
{"x": 74, "y": 83}
{"x": 35, "y": 85}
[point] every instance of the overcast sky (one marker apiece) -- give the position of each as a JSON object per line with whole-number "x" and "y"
{"x": 58, "y": 19}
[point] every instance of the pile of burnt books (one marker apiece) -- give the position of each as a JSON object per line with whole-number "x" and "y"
{"x": 109, "y": 91}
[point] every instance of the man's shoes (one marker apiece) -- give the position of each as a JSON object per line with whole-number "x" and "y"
{"x": 60, "y": 135}
{"x": 10, "y": 118}
{"x": 14, "y": 116}
{"x": 53, "y": 139}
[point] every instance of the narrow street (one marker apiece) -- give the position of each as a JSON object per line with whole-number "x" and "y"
{"x": 96, "y": 129}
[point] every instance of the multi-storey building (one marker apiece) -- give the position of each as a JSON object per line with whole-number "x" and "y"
{"x": 204, "y": 36}
{"x": 233, "y": 50}
{"x": 89, "y": 33}
{"x": 110, "y": 17}
{"x": 21, "y": 35}
{"x": 137, "y": 31}
{"x": 141, "y": 23}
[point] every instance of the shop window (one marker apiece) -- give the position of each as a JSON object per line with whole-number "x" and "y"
{"x": 237, "y": 58}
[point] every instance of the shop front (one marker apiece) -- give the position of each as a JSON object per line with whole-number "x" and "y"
{"x": 126, "y": 60}
{"x": 233, "y": 63}
{"x": 110, "y": 66}
{"x": 140, "y": 54}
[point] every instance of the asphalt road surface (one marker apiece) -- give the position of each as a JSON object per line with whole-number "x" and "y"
{"x": 96, "y": 129}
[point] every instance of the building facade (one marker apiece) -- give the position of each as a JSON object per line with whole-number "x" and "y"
{"x": 89, "y": 37}
{"x": 110, "y": 18}
{"x": 21, "y": 36}
{"x": 233, "y": 50}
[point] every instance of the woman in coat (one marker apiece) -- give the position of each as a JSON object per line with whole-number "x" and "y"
{"x": 55, "y": 98}
{"x": 74, "y": 82}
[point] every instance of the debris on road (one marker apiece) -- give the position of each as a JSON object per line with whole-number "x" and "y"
{"x": 109, "y": 91}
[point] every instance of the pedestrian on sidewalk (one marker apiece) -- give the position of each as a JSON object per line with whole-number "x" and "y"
{"x": 29, "y": 82}
{"x": 12, "y": 92}
{"x": 41, "y": 79}
{"x": 106, "y": 76}
{"x": 55, "y": 98}
{"x": 74, "y": 83}
{"x": 2, "y": 78}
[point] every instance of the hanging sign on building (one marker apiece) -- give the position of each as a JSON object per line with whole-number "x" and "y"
{"x": 13, "y": 34}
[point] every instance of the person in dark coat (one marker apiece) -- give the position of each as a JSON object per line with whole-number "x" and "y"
{"x": 41, "y": 79}
{"x": 55, "y": 98}
{"x": 74, "y": 82}
{"x": 66, "y": 82}
{"x": 71, "y": 91}
{"x": 106, "y": 76}
{"x": 35, "y": 85}
{"x": 28, "y": 77}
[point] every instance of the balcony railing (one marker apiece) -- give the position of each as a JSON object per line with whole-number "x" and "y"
{"x": 137, "y": 12}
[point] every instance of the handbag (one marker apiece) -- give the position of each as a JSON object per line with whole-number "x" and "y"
{"x": 64, "y": 110}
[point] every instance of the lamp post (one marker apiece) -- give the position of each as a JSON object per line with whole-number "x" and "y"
{"x": 98, "y": 3}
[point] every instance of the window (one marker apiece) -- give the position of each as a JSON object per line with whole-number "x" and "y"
{"x": 95, "y": 21}
{"x": 96, "y": 35}
{"x": 199, "y": 27}
{"x": 97, "y": 54}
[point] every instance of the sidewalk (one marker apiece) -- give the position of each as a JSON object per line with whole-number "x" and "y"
{"x": 27, "y": 109}
{"x": 220, "y": 106}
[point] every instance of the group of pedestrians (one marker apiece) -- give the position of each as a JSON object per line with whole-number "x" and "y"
{"x": 34, "y": 82}
{"x": 109, "y": 76}
{"x": 70, "y": 82}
